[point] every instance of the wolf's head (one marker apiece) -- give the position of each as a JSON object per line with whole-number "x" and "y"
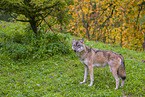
{"x": 78, "y": 45}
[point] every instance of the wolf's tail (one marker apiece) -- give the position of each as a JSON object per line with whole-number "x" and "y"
{"x": 121, "y": 70}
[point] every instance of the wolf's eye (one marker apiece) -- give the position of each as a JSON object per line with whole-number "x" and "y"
{"x": 79, "y": 46}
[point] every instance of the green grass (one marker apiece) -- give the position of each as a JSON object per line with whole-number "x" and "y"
{"x": 59, "y": 75}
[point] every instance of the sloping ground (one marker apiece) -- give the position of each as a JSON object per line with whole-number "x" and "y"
{"x": 60, "y": 76}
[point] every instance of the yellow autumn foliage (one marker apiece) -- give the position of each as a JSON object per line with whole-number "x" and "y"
{"x": 111, "y": 21}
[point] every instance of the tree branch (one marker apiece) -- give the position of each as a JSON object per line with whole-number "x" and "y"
{"x": 19, "y": 19}
{"x": 106, "y": 21}
{"x": 22, "y": 20}
{"x": 47, "y": 23}
{"x": 108, "y": 17}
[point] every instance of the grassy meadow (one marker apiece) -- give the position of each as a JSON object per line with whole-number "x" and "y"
{"x": 29, "y": 70}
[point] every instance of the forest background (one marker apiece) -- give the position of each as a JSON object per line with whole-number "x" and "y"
{"x": 120, "y": 22}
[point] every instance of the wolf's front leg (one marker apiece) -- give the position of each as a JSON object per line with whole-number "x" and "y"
{"x": 91, "y": 75}
{"x": 114, "y": 72}
{"x": 85, "y": 75}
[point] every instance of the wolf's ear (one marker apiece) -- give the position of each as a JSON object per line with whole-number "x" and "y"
{"x": 82, "y": 40}
{"x": 74, "y": 39}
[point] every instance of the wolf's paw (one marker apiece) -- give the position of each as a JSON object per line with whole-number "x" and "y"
{"x": 90, "y": 84}
{"x": 116, "y": 88}
{"x": 82, "y": 82}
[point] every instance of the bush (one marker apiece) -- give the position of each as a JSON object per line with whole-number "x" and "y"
{"x": 29, "y": 46}
{"x": 50, "y": 44}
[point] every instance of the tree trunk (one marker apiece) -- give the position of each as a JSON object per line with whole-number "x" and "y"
{"x": 33, "y": 24}
{"x": 144, "y": 44}
{"x": 121, "y": 38}
{"x": 104, "y": 39}
{"x": 87, "y": 31}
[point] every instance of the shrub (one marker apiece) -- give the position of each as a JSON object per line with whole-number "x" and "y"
{"x": 28, "y": 46}
{"x": 50, "y": 44}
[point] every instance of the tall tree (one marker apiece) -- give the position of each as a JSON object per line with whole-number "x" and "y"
{"x": 35, "y": 11}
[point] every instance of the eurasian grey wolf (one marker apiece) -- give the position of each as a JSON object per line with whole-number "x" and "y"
{"x": 91, "y": 57}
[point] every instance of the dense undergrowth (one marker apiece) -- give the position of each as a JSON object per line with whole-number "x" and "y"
{"x": 18, "y": 46}
{"x": 45, "y": 66}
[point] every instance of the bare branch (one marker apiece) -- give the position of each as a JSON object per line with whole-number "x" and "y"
{"x": 108, "y": 17}
{"x": 22, "y": 20}
{"x": 47, "y": 23}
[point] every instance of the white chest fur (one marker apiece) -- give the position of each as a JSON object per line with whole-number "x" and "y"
{"x": 85, "y": 62}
